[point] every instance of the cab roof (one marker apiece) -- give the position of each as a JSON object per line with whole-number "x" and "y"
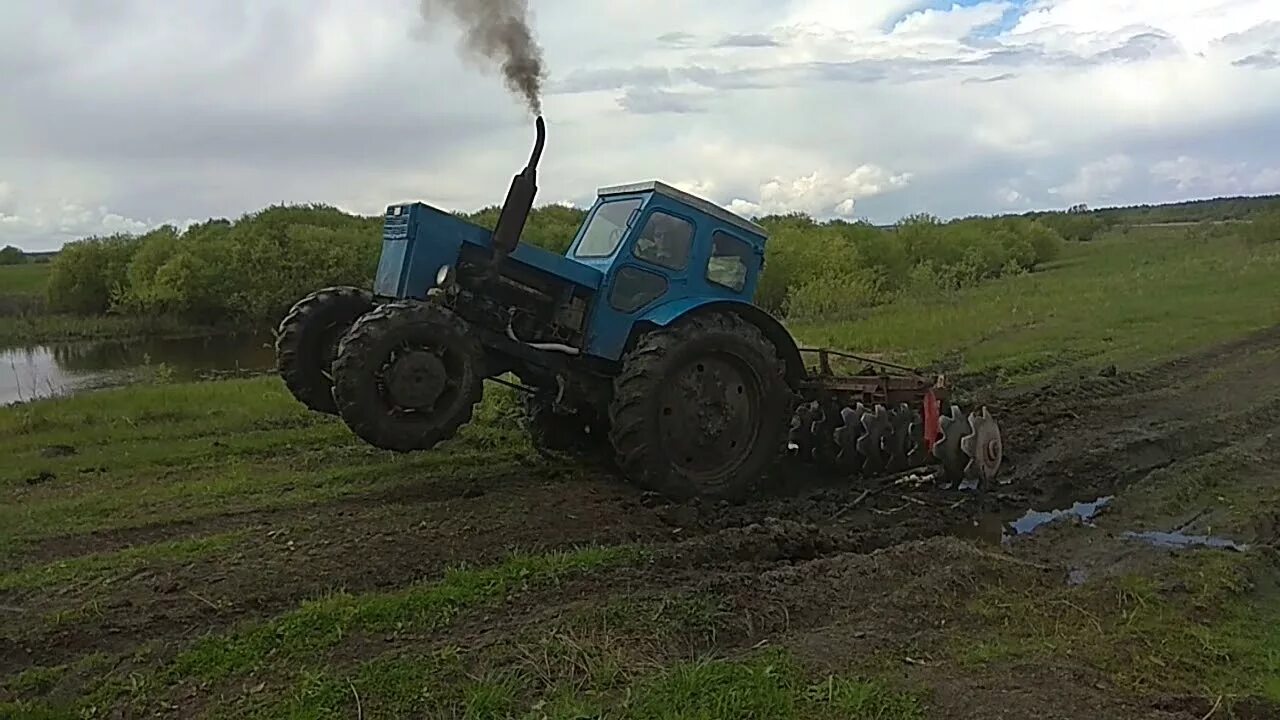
{"x": 660, "y": 188}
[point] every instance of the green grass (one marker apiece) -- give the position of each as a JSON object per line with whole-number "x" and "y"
{"x": 297, "y": 645}
{"x": 185, "y": 451}
{"x": 1129, "y": 298}
{"x": 768, "y": 684}
{"x": 1238, "y": 481}
{"x": 613, "y": 657}
{"x": 320, "y": 625}
{"x": 28, "y": 279}
{"x": 445, "y": 683}
{"x": 1195, "y": 625}
{"x": 38, "y": 327}
{"x": 90, "y": 568}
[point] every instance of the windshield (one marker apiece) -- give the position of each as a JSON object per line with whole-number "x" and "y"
{"x": 608, "y": 225}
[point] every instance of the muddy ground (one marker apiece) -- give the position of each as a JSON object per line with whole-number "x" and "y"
{"x": 844, "y": 578}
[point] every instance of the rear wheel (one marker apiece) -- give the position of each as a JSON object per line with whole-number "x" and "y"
{"x": 407, "y": 376}
{"x": 307, "y": 342}
{"x": 701, "y": 408}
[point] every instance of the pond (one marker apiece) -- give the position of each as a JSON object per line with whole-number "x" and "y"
{"x": 40, "y": 371}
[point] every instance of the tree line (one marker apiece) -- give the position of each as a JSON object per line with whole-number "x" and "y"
{"x": 252, "y": 269}
{"x": 10, "y": 255}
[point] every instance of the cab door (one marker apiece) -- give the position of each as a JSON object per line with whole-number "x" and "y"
{"x": 651, "y": 267}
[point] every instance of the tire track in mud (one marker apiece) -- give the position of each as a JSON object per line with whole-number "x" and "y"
{"x": 1069, "y": 439}
{"x": 1102, "y": 433}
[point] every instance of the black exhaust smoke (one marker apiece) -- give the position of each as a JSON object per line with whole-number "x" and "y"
{"x": 499, "y": 31}
{"x": 515, "y": 211}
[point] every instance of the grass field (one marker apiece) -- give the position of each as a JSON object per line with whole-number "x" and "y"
{"x": 214, "y": 550}
{"x": 28, "y": 279}
{"x": 1136, "y": 296}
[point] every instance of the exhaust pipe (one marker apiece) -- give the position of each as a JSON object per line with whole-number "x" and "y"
{"x": 515, "y": 211}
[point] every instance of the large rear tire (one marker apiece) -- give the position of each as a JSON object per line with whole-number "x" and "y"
{"x": 701, "y": 409}
{"x": 408, "y": 375}
{"x": 307, "y": 342}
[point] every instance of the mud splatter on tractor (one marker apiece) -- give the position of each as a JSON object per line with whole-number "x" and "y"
{"x": 641, "y": 340}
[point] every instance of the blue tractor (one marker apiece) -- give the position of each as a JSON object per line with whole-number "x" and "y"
{"x": 641, "y": 342}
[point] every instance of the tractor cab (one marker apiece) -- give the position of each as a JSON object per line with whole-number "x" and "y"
{"x": 662, "y": 249}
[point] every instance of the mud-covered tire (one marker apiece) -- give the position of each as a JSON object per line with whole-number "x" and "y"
{"x": 307, "y": 340}
{"x": 389, "y": 333}
{"x": 654, "y": 424}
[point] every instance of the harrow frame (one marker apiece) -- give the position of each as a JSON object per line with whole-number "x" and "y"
{"x": 857, "y": 421}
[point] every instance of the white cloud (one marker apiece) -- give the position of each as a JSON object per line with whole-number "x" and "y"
{"x": 68, "y": 220}
{"x": 1196, "y": 24}
{"x": 951, "y": 24}
{"x": 1192, "y": 175}
{"x": 7, "y": 197}
{"x": 819, "y": 193}
{"x": 1096, "y": 182}
{"x": 821, "y": 106}
{"x": 1267, "y": 181}
{"x": 1010, "y": 197}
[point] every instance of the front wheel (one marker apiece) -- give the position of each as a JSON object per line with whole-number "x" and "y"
{"x": 307, "y": 342}
{"x": 407, "y": 376}
{"x": 701, "y": 409}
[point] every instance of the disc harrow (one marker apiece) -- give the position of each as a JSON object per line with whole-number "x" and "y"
{"x": 887, "y": 419}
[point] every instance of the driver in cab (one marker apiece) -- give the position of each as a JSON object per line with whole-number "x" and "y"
{"x": 664, "y": 241}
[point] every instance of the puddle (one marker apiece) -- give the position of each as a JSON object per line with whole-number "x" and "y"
{"x": 40, "y": 371}
{"x": 1182, "y": 540}
{"x": 1035, "y": 519}
{"x": 1000, "y": 527}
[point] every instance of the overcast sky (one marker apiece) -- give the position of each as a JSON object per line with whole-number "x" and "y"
{"x": 119, "y": 115}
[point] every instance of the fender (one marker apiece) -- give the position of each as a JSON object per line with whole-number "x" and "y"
{"x": 668, "y": 313}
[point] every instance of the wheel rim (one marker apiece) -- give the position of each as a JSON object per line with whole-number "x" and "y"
{"x": 418, "y": 379}
{"x": 708, "y": 414}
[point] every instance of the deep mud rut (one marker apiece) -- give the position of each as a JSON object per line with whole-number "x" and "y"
{"x": 842, "y": 576}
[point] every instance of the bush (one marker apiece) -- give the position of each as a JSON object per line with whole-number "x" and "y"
{"x": 88, "y": 275}
{"x": 551, "y": 227}
{"x": 831, "y": 271}
{"x": 10, "y": 255}
{"x": 1075, "y": 226}
{"x": 249, "y": 271}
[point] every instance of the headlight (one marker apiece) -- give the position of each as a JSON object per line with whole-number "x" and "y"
{"x": 444, "y": 276}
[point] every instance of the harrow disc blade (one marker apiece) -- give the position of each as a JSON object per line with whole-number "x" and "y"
{"x": 871, "y": 445}
{"x": 800, "y": 439}
{"x": 899, "y": 445}
{"x": 983, "y": 448}
{"x": 954, "y": 427}
{"x": 824, "y": 422}
{"x": 917, "y": 453}
{"x": 847, "y": 436}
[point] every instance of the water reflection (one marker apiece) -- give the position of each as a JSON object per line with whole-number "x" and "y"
{"x": 33, "y": 372}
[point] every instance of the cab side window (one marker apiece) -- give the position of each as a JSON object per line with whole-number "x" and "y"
{"x": 727, "y": 266}
{"x": 665, "y": 241}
